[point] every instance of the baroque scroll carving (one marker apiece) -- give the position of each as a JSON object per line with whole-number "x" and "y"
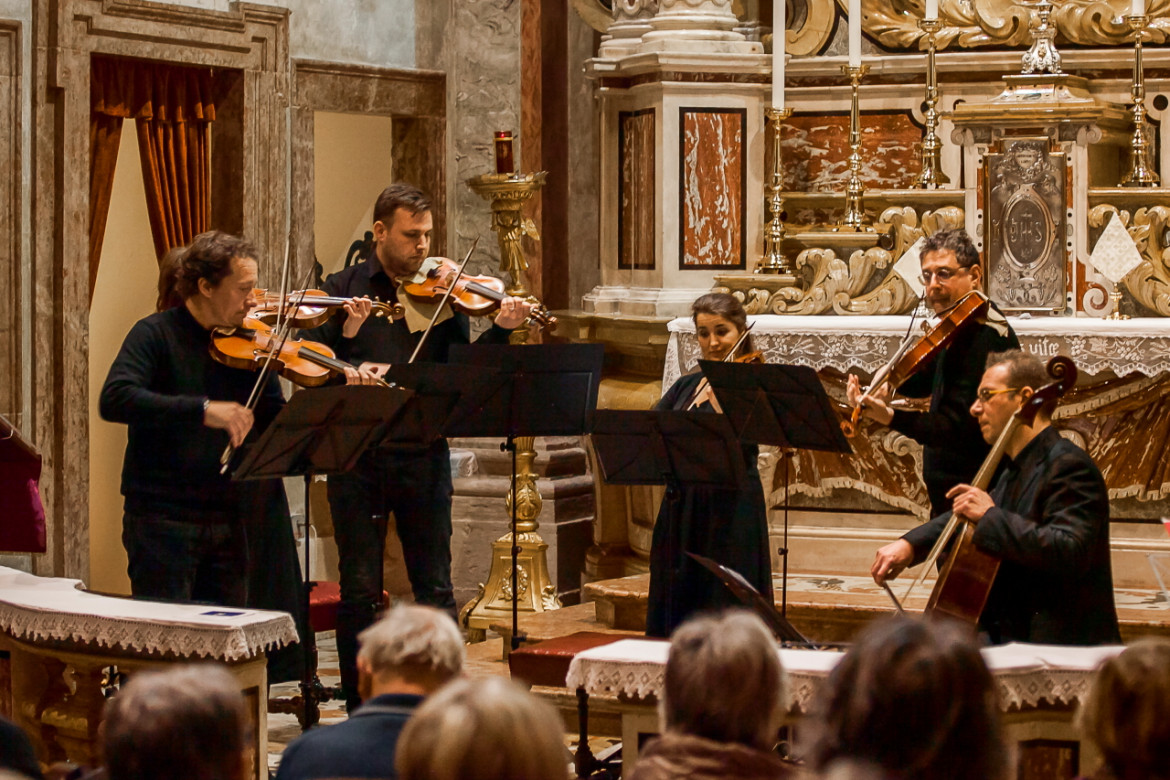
{"x": 969, "y": 25}
{"x": 863, "y": 285}
{"x": 1149, "y": 283}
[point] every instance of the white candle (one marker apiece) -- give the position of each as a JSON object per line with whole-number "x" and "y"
{"x": 854, "y": 33}
{"x": 778, "y": 27}
{"x": 931, "y": 9}
{"x": 1137, "y": 8}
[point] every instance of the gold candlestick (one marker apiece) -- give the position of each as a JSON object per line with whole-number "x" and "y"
{"x": 854, "y": 217}
{"x": 1115, "y": 299}
{"x": 1141, "y": 170}
{"x": 529, "y": 583}
{"x": 931, "y": 175}
{"x": 774, "y": 261}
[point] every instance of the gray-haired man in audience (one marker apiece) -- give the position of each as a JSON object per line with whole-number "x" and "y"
{"x": 404, "y": 657}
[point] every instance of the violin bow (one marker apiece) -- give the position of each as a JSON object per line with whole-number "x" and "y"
{"x": 443, "y": 300}
{"x": 283, "y": 326}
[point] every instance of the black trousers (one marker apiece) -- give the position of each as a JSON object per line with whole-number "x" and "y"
{"x": 414, "y": 486}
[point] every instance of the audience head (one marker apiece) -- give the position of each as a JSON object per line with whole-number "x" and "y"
{"x": 913, "y": 698}
{"x": 720, "y": 320}
{"x": 412, "y": 649}
{"x": 484, "y": 729}
{"x": 1127, "y": 712}
{"x": 185, "y": 723}
{"x": 724, "y": 681}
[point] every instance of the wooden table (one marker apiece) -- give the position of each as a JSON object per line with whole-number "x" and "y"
{"x": 66, "y": 648}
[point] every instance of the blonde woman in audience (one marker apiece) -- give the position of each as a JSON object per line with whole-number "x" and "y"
{"x": 485, "y": 729}
{"x": 185, "y": 723}
{"x": 722, "y": 703}
{"x": 913, "y": 699}
{"x": 1127, "y": 713}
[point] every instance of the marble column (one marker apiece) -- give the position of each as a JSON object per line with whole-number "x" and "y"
{"x": 681, "y": 200}
{"x": 631, "y": 20}
{"x": 681, "y": 157}
{"x": 696, "y": 25}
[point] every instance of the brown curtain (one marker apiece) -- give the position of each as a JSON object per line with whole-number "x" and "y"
{"x": 105, "y": 134}
{"x": 173, "y": 107}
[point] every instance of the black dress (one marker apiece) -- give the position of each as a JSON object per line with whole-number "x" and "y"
{"x": 729, "y": 526}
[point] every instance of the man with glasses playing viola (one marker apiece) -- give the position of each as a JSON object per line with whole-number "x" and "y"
{"x": 952, "y": 448}
{"x": 1046, "y": 518}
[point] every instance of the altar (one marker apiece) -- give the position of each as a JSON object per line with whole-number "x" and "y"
{"x": 1038, "y": 686}
{"x": 1118, "y": 411}
{"x": 64, "y": 649}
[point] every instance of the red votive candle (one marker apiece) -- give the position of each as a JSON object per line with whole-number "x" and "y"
{"x": 505, "y": 163}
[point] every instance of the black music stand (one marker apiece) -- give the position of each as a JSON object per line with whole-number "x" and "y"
{"x": 537, "y": 390}
{"x": 324, "y": 431}
{"x": 754, "y": 600}
{"x": 441, "y": 391}
{"x": 780, "y": 405}
{"x": 667, "y": 447}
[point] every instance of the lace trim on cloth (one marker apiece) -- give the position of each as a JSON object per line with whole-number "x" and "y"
{"x": 1025, "y": 675}
{"x": 54, "y": 609}
{"x": 866, "y": 343}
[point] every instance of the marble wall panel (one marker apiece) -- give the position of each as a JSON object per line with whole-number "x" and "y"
{"x": 482, "y": 61}
{"x": 637, "y": 227}
{"x": 816, "y": 151}
{"x": 712, "y": 182}
{"x": 11, "y": 133}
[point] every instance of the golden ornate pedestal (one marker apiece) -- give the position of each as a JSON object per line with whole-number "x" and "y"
{"x": 533, "y": 590}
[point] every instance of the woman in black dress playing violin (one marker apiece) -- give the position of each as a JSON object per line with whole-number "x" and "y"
{"x": 728, "y": 525}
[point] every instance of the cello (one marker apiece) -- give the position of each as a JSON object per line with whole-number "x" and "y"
{"x": 963, "y": 586}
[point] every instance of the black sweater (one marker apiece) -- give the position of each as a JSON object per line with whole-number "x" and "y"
{"x": 157, "y": 385}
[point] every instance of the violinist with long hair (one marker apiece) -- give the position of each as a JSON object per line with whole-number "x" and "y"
{"x": 728, "y": 525}
{"x": 952, "y": 448}
{"x": 185, "y": 525}
{"x": 414, "y": 485}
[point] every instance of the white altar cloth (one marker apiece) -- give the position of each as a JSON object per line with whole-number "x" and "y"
{"x": 46, "y": 608}
{"x": 1025, "y": 674}
{"x": 866, "y": 343}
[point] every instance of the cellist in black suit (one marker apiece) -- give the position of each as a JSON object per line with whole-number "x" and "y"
{"x": 1046, "y": 518}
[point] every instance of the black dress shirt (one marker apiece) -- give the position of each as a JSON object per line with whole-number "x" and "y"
{"x": 952, "y": 445}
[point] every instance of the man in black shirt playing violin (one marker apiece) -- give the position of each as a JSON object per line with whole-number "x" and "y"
{"x": 952, "y": 448}
{"x": 414, "y": 485}
{"x": 185, "y": 524}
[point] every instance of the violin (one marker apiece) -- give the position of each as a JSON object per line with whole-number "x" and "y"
{"x": 963, "y": 586}
{"x": 302, "y": 362}
{"x": 310, "y": 308}
{"x": 912, "y": 357}
{"x": 704, "y": 393}
{"x": 475, "y": 296}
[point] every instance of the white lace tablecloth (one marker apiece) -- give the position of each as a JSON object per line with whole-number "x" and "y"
{"x": 1025, "y": 674}
{"x": 866, "y": 343}
{"x": 45, "y": 608}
